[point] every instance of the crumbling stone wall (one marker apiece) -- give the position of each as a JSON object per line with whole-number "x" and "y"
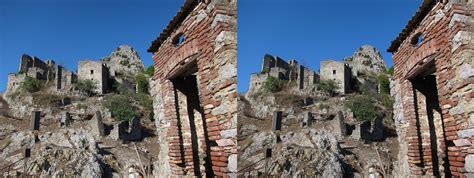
{"x": 337, "y": 71}
{"x": 437, "y": 122}
{"x": 198, "y": 119}
{"x": 47, "y": 71}
{"x": 303, "y": 79}
{"x": 95, "y": 71}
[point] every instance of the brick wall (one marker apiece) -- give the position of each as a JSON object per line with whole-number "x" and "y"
{"x": 447, "y": 50}
{"x": 208, "y": 53}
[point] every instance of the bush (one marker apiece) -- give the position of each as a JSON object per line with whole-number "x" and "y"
{"x": 144, "y": 100}
{"x": 86, "y": 87}
{"x": 150, "y": 70}
{"x": 47, "y": 99}
{"x": 124, "y": 62}
{"x": 362, "y": 106}
{"x": 30, "y": 85}
{"x": 272, "y": 84}
{"x": 121, "y": 108}
{"x": 384, "y": 84}
{"x": 142, "y": 83}
{"x": 328, "y": 86}
{"x": 386, "y": 100}
{"x": 390, "y": 71}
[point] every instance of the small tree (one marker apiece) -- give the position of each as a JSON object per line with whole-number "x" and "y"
{"x": 121, "y": 108}
{"x": 86, "y": 87}
{"x": 142, "y": 83}
{"x": 328, "y": 86}
{"x": 150, "y": 70}
{"x": 272, "y": 84}
{"x": 30, "y": 85}
{"x": 390, "y": 71}
{"x": 363, "y": 107}
{"x": 384, "y": 83}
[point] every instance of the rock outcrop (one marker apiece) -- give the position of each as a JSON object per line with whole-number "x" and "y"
{"x": 124, "y": 60}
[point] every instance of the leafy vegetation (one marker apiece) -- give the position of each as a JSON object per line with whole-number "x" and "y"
{"x": 272, "y": 84}
{"x": 124, "y": 62}
{"x": 390, "y": 71}
{"x": 121, "y": 108}
{"x": 384, "y": 83}
{"x": 362, "y": 106}
{"x": 142, "y": 83}
{"x": 86, "y": 87}
{"x": 329, "y": 87}
{"x": 30, "y": 85}
{"x": 150, "y": 70}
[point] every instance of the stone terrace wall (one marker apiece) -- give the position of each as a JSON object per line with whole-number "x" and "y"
{"x": 447, "y": 36}
{"x": 210, "y": 41}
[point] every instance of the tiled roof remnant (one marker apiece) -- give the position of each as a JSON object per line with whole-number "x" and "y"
{"x": 413, "y": 23}
{"x": 185, "y": 9}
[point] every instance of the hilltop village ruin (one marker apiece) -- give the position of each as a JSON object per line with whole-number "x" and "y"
{"x": 281, "y": 131}
{"x": 433, "y": 89}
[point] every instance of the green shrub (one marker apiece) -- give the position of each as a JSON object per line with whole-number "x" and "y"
{"x": 150, "y": 70}
{"x": 142, "y": 83}
{"x": 86, "y": 87}
{"x": 390, "y": 71}
{"x": 121, "y": 108}
{"x": 124, "y": 62}
{"x": 144, "y": 100}
{"x": 328, "y": 86}
{"x": 272, "y": 84}
{"x": 362, "y": 106}
{"x": 30, "y": 85}
{"x": 386, "y": 100}
{"x": 384, "y": 83}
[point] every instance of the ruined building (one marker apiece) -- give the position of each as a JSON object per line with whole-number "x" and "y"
{"x": 96, "y": 71}
{"x": 433, "y": 90}
{"x": 337, "y": 71}
{"x": 304, "y": 78}
{"x": 195, "y": 90}
{"x": 46, "y": 71}
{"x": 300, "y": 78}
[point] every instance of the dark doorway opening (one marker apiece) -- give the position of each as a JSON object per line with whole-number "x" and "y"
{"x": 191, "y": 124}
{"x": 429, "y": 121}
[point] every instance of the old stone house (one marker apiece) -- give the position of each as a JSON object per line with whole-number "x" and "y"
{"x": 195, "y": 90}
{"x": 337, "y": 71}
{"x": 96, "y": 71}
{"x": 433, "y": 89}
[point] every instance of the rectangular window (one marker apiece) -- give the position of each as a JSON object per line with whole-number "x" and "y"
{"x": 333, "y": 72}
{"x": 92, "y": 71}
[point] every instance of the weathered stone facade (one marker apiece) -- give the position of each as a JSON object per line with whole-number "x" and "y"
{"x": 433, "y": 89}
{"x": 337, "y": 71}
{"x": 96, "y": 71}
{"x": 303, "y": 78}
{"x": 195, "y": 90}
{"x": 49, "y": 71}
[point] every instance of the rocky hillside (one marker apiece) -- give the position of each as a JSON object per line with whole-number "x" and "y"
{"x": 79, "y": 135}
{"x": 321, "y": 135}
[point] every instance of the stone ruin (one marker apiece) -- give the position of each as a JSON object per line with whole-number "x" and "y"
{"x": 305, "y": 79}
{"x": 46, "y": 71}
{"x": 195, "y": 90}
{"x": 96, "y": 71}
{"x": 278, "y": 68}
{"x": 101, "y": 72}
{"x": 127, "y": 130}
{"x": 337, "y": 71}
{"x": 433, "y": 89}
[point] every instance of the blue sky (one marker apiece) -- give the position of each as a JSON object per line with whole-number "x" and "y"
{"x": 313, "y": 30}
{"x": 69, "y": 30}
